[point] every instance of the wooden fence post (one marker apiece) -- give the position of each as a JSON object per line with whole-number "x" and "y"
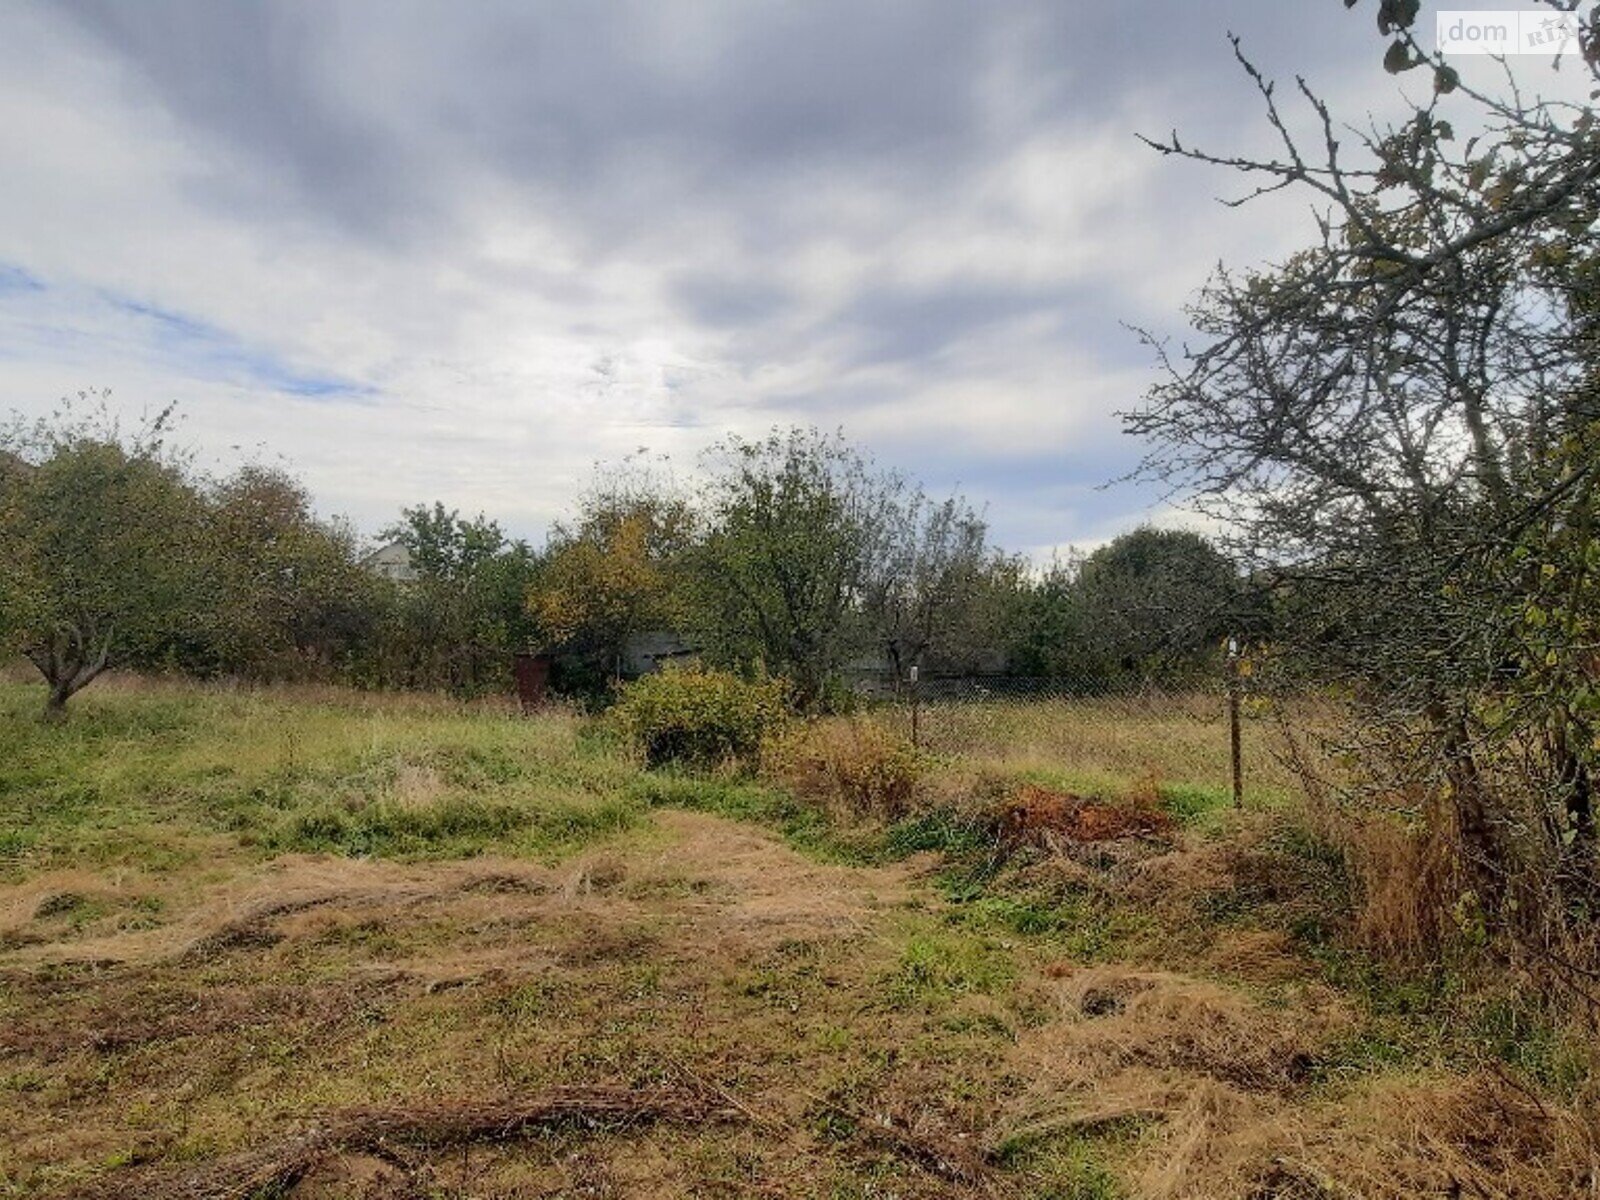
{"x": 916, "y": 732}
{"x": 1234, "y": 745}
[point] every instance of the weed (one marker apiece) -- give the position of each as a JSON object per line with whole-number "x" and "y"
{"x": 699, "y": 717}
{"x": 941, "y": 830}
{"x": 855, "y": 767}
{"x": 939, "y": 966}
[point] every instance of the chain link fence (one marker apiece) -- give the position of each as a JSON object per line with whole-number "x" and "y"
{"x": 1219, "y": 735}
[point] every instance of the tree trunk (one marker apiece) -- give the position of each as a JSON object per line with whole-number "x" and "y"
{"x": 69, "y": 664}
{"x": 55, "y": 705}
{"x": 1480, "y": 851}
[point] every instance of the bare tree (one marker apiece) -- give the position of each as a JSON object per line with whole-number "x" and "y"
{"x": 930, "y": 584}
{"x": 1401, "y": 425}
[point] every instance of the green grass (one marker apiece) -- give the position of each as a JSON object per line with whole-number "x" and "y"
{"x": 802, "y": 826}
{"x": 1105, "y": 745}
{"x": 938, "y": 965}
{"x": 153, "y": 776}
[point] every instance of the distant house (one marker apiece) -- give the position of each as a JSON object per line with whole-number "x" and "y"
{"x": 392, "y": 562}
{"x": 652, "y": 649}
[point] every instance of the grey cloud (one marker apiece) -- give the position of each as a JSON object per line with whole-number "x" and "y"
{"x": 364, "y": 108}
{"x": 915, "y": 326}
{"x": 730, "y": 300}
{"x": 688, "y": 154}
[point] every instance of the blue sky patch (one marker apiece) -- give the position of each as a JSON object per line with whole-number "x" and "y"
{"x": 14, "y": 279}
{"x": 200, "y": 348}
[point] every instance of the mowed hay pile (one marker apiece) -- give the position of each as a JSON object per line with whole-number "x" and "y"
{"x": 1115, "y": 1018}
{"x": 1234, "y": 1091}
{"x": 1052, "y": 820}
{"x": 1482, "y": 1136}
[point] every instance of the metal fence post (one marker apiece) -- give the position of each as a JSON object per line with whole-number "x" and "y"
{"x": 1234, "y": 745}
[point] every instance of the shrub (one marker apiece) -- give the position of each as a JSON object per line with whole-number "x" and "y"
{"x": 700, "y": 717}
{"x": 854, "y": 765}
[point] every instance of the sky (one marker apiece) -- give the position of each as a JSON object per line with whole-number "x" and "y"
{"x": 465, "y": 252}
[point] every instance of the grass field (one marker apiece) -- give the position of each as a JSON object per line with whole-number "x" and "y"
{"x": 318, "y": 944}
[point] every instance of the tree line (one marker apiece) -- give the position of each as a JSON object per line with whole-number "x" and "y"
{"x": 794, "y": 555}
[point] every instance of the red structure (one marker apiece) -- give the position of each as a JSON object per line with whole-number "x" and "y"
{"x": 533, "y": 679}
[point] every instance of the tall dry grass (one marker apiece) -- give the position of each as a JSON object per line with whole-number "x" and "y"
{"x": 850, "y": 767}
{"x": 1110, "y": 743}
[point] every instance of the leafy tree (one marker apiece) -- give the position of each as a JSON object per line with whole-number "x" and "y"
{"x": 615, "y": 571}
{"x": 1049, "y": 632}
{"x": 933, "y": 585}
{"x": 99, "y": 534}
{"x": 1152, "y": 605}
{"x": 1400, "y": 424}
{"x": 781, "y": 576}
{"x": 458, "y": 624}
{"x": 1157, "y": 603}
{"x": 445, "y": 548}
{"x": 290, "y": 597}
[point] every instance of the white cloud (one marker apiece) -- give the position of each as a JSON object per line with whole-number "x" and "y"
{"x": 518, "y": 275}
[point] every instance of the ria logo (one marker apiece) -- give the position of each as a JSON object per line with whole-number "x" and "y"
{"x": 1506, "y": 31}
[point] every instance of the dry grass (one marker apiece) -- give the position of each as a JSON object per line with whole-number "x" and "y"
{"x": 1052, "y": 820}
{"x": 1116, "y": 999}
{"x": 430, "y": 1125}
{"x": 1391, "y": 1140}
{"x": 1109, "y": 743}
{"x": 850, "y": 767}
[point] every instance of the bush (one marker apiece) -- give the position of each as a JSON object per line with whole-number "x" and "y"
{"x": 854, "y": 765}
{"x": 700, "y": 717}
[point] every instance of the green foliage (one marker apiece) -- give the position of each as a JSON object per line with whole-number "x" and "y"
{"x": 614, "y": 573}
{"x": 793, "y": 521}
{"x": 1152, "y": 604}
{"x": 937, "y": 595}
{"x": 1163, "y": 601}
{"x": 457, "y": 625}
{"x": 700, "y": 717}
{"x": 288, "y": 599}
{"x": 444, "y": 546}
{"x": 100, "y": 549}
